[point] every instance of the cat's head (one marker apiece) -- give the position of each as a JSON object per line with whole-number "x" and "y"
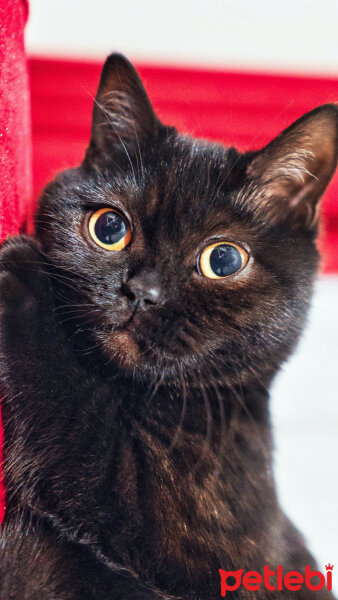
{"x": 178, "y": 251}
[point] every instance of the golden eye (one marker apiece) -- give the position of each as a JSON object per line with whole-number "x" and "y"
{"x": 109, "y": 229}
{"x": 221, "y": 260}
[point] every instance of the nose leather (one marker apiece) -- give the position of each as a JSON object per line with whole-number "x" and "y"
{"x": 143, "y": 289}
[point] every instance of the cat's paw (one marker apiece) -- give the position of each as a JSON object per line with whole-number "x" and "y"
{"x": 23, "y": 274}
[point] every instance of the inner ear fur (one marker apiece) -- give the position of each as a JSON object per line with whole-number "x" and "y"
{"x": 122, "y": 112}
{"x": 293, "y": 171}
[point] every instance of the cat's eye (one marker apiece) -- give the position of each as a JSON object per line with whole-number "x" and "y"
{"x": 222, "y": 259}
{"x": 109, "y": 229}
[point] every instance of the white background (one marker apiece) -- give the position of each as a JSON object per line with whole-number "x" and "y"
{"x": 298, "y": 35}
{"x": 289, "y": 36}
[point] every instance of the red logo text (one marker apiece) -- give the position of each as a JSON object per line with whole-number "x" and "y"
{"x": 275, "y": 580}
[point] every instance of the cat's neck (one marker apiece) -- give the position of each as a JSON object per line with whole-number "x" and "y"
{"x": 205, "y": 428}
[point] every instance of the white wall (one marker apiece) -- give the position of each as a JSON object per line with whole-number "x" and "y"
{"x": 292, "y": 35}
{"x": 305, "y": 419}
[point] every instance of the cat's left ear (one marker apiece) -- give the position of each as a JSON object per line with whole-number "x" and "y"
{"x": 122, "y": 112}
{"x": 292, "y": 172}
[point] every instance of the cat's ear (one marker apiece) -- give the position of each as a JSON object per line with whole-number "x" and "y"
{"x": 122, "y": 112}
{"x": 292, "y": 172}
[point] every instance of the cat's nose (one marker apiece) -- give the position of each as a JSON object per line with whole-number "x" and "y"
{"x": 143, "y": 289}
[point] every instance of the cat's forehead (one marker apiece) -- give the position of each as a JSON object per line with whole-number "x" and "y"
{"x": 193, "y": 165}
{"x": 188, "y": 181}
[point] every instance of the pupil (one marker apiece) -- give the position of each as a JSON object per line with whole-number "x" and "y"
{"x": 225, "y": 260}
{"x": 110, "y": 228}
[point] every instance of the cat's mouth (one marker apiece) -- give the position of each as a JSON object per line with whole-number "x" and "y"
{"x": 142, "y": 338}
{"x": 122, "y": 344}
{"x": 127, "y": 325}
{"x": 133, "y": 322}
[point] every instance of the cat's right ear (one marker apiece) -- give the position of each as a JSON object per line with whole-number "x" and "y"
{"x": 123, "y": 116}
{"x": 291, "y": 173}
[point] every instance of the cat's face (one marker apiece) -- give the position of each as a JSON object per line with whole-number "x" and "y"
{"x": 183, "y": 252}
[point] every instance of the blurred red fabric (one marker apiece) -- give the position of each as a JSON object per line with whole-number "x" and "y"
{"x": 15, "y": 133}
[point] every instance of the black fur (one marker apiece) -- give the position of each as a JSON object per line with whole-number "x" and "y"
{"x": 138, "y": 446}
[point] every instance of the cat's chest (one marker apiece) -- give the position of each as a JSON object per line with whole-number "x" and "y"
{"x": 180, "y": 520}
{"x": 190, "y": 518}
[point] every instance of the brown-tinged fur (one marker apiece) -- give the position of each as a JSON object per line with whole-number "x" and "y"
{"x": 137, "y": 440}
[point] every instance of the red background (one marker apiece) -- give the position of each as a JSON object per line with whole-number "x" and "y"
{"x": 15, "y": 133}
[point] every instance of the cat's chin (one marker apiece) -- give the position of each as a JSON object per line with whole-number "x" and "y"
{"x": 122, "y": 348}
{"x": 128, "y": 353}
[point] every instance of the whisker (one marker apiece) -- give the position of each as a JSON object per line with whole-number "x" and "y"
{"x": 207, "y": 440}
{"x": 100, "y": 106}
{"x": 183, "y": 411}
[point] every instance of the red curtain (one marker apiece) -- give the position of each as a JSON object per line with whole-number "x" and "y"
{"x": 15, "y": 133}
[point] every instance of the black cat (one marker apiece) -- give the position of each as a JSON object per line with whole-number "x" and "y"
{"x": 140, "y": 330}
